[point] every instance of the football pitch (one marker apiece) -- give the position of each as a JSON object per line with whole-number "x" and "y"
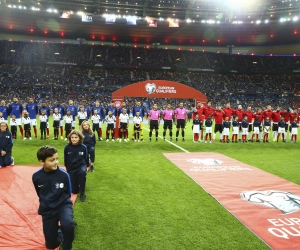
{"x": 138, "y": 199}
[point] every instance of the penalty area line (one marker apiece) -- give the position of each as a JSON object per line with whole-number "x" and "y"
{"x": 181, "y": 148}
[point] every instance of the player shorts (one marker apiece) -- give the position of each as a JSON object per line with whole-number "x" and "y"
{"x": 275, "y": 127}
{"x": 81, "y": 121}
{"x": 110, "y": 126}
{"x": 180, "y": 123}
{"x": 61, "y": 123}
{"x": 153, "y": 124}
{"x": 208, "y": 130}
{"x": 218, "y": 128}
{"x": 250, "y": 128}
{"x": 267, "y": 129}
{"x": 56, "y": 124}
{"x": 168, "y": 124}
{"x": 43, "y": 125}
{"x": 226, "y": 132}
{"x": 196, "y": 128}
{"x": 18, "y": 121}
{"x": 281, "y": 130}
{"x": 95, "y": 127}
{"x": 256, "y": 130}
{"x": 294, "y": 131}
{"x": 244, "y": 131}
{"x": 137, "y": 127}
{"x": 27, "y": 126}
{"x": 33, "y": 122}
{"x": 68, "y": 126}
{"x": 235, "y": 130}
{"x": 123, "y": 125}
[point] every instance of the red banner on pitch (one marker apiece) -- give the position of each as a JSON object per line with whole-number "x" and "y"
{"x": 268, "y": 205}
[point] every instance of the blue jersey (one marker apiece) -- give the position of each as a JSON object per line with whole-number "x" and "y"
{"x": 61, "y": 111}
{"x": 138, "y": 109}
{"x": 32, "y": 110}
{"x": 245, "y": 124}
{"x": 121, "y": 110}
{"x": 226, "y": 124}
{"x": 73, "y": 110}
{"x": 281, "y": 124}
{"x": 208, "y": 123}
{"x": 4, "y": 110}
{"x": 267, "y": 123}
{"x": 256, "y": 123}
{"x": 294, "y": 124}
{"x": 47, "y": 110}
{"x": 197, "y": 122}
{"x": 112, "y": 109}
{"x": 15, "y": 109}
{"x": 99, "y": 110}
{"x": 235, "y": 123}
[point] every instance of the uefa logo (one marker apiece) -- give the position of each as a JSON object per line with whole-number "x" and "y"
{"x": 150, "y": 88}
{"x": 117, "y": 104}
{"x": 205, "y": 161}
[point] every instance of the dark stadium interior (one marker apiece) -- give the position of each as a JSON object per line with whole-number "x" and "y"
{"x": 202, "y": 22}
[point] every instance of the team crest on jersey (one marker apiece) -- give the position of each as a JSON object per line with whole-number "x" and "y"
{"x": 80, "y": 153}
{"x": 150, "y": 88}
{"x": 117, "y": 104}
{"x": 205, "y": 161}
{"x": 56, "y": 185}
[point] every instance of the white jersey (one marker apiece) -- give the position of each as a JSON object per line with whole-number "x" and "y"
{"x": 82, "y": 115}
{"x": 137, "y": 120}
{"x": 95, "y": 119}
{"x": 13, "y": 122}
{"x": 68, "y": 119}
{"x": 43, "y": 118}
{"x": 26, "y": 120}
{"x": 110, "y": 119}
{"x": 123, "y": 118}
{"x": 56, "y": 117}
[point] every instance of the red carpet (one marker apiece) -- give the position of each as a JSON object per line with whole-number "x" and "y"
{"x": 20, "y": 224}
{"x": 268, "y": 205}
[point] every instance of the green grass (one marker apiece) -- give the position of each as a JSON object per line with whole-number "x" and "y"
{"x": 137, "y": 199}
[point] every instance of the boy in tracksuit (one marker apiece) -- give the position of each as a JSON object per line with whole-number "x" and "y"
{"x": 76, "y": 162}
{"x": 53, "y": 187}
{"x": 6, "y": 145}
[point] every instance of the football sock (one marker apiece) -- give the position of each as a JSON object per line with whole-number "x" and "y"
{"x": 21, "y": 131}
{"x": 61, "y": 131}
{"x": 182, "y": 133}
{"x": 177, "y": 133}
{"x": 156, "y": 134}
{"x": 35, "y": 131}
{"x": 171, "y": 133}
{"x": 48, "y": 131}
{"x": 164, "y": 134}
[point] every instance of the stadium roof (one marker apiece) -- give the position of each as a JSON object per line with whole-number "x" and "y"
{"x": 201, "y": 22}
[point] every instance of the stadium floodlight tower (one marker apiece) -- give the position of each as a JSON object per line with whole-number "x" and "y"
{"x": 81, "y": 41}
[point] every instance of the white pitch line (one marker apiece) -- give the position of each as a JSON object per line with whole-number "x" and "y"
{"x": 184, "y": 150}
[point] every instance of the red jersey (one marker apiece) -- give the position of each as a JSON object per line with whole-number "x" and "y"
{"x": 218, "y": 114}
{"x": 250, "y": 115}
{"x": 276, "y": 116}
{"x": 260, "y": 116}
{"x": 239, "y": 113}
{"x": 292, "y": 117}
{"x": 228, "y": 112}
{"x": 199, "y": 111}
{"x": 286, "y": 115}
{"x": 208, "y": 111}
{"x": 267, "y": 113}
